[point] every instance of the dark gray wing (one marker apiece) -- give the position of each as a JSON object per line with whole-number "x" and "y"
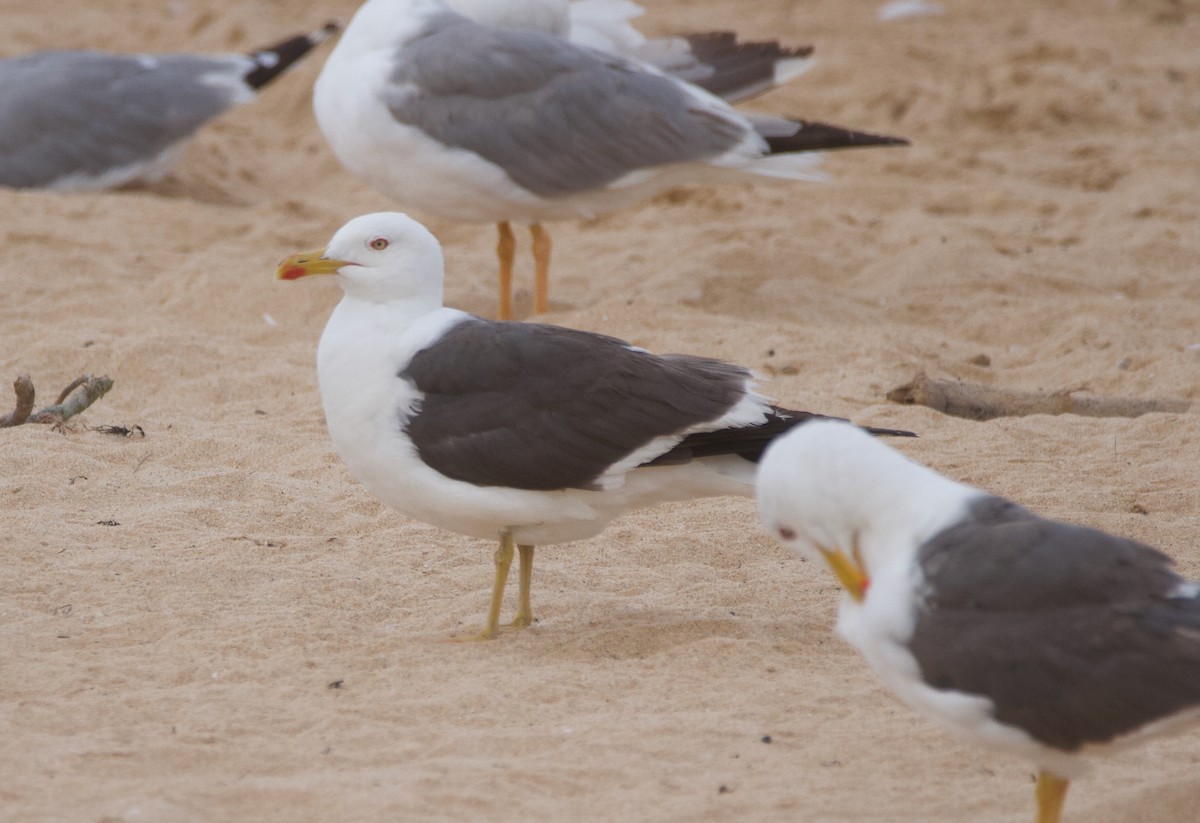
{"x": 542, "y": 407}
{"x": 1076, "y": 636}
{"x": 88, "y": 113}
{"x": 556, "y": 117}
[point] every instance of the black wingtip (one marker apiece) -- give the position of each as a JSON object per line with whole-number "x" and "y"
{"x": 749, "y": 442}
{"x": 813, "y": 136}
{"x": 713, "y": 46}
{"x": 739, "y": 70}
{"x": 275, "y": 59}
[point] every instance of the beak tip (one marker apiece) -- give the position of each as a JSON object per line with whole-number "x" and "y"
{"x": 305, "y": 263}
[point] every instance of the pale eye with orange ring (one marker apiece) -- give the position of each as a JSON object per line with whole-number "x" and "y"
{"x": 786, "y": 533}
{"x": 379, "y": 243}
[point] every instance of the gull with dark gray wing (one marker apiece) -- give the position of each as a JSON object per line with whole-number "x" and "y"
{"x": 525, "y": 433}
{"x": 74, "y": 120}
{"x": 475, "y": 122}
{"x": 1046, "y": 639}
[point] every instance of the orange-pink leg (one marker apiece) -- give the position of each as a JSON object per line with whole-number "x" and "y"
{"x": 541, "y": 260}
{"x": 506, "y": 250}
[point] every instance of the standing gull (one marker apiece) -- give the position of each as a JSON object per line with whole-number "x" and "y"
{"x": 1049, "y": 640}
{"x": 472, "y": 122}
{"x": 74, "y": 120}
{"x": 526, "y": 433}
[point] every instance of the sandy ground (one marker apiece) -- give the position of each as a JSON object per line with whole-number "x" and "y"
{"x": 215, "y": 623}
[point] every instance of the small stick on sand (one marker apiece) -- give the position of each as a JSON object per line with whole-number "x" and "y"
{"x": 23, "y": 387}
{"x": 72, "y": 386}
{"x": 81, "y": 393}
{"x": 976, "y": 401}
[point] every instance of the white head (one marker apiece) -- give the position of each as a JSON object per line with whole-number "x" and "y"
{"x": 833, "y": 493}
{"x": 379, "y": 258}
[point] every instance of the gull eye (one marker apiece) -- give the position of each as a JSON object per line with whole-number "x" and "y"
{"x": 379, "y": 243}
{"x": 786, "y": 533}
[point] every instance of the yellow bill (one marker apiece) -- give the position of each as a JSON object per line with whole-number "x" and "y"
{"x": 849, "y": 570}
{"x": 306, "y": 263}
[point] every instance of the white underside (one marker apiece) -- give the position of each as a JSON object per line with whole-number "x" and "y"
{"x": 365, "y": 346}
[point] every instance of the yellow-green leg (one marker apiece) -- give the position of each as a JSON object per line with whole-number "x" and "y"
{"x": 506, "y": 251}
{"x": 524, "y": 616}
{"x": 1051, "y": 794}
{"x": 503, "y": 556}
{"x": 541, "y": 262}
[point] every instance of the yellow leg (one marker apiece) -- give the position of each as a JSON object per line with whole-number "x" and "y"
{"x": 541, "y": 260}
{"x": 504, "y": 556}
{"x": 1051, "y": 794}
{"x": 524, "y": 616}
{"x": 506, "y": 251}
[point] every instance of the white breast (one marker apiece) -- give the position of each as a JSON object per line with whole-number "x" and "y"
{"x": 362, "y": 352}
{"x": 880, "y": 629}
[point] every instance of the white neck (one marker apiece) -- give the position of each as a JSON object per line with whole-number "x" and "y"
{"x": 364, "y": 346}
{"x": 397, "y": 314}
{"x": 912, "y": 512}
{"x": 405, "y": 296}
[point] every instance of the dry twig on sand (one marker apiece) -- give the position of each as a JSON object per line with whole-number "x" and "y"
{"x": 80, "y": 393}
{"x": 23, "y": 387}
{"x": 976, "y": 401}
